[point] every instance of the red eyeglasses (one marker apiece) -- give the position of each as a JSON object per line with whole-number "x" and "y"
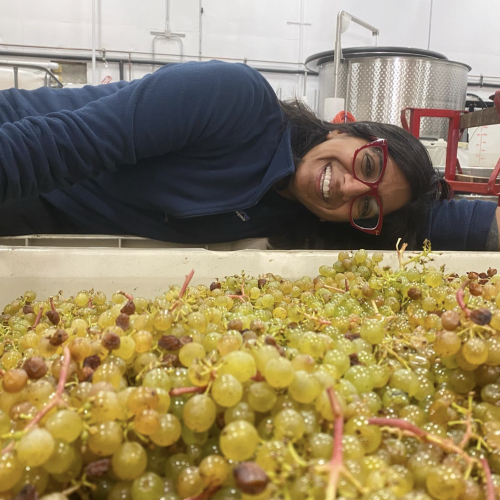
{"x": 368, "y": 167}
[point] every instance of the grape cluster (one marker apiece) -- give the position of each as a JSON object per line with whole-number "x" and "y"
{"x": 363, "y": 382}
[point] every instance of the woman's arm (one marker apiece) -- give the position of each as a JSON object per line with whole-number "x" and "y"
{"x": 207, "y": 104}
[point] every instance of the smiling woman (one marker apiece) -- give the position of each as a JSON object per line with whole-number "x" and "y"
{"x": 366, "y": 173}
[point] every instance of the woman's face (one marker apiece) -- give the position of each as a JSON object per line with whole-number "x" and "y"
{"x": 332, "y": 201}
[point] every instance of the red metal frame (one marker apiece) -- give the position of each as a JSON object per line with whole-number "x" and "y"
{"x": 454, "y": 133}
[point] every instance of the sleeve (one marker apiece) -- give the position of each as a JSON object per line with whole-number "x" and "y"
{"x": 176, "y": 106}
{"x": 16, "y": 104}
{"x": 460, "y": 224}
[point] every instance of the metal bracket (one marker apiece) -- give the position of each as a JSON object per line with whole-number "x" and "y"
{"x": 167, "y": 34}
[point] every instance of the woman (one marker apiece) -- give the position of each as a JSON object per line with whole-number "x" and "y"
{"x": 202, "y": 153}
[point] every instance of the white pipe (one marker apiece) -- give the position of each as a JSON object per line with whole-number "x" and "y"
{"x": 94, "y": 41}
{"x": 200, "y": 31}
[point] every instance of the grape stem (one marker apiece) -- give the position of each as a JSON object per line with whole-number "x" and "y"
{"x": 56, "y": 400}
{"x": 2, "y": 373}
{"x": 401, "y": 252}
{"x": 333, "y": 288}
{"x": 189, "y": 277}
{"x": 126, "y": 295}
{"x": 243, "y": 294}
{"x": 179, "y": 391}
{"x": 490, "y": 489}
{"x": 38, "y": 318}
{"x": 346, "y": 285}
{"x": 460, "y": 297}
{"x": 412, "y": 430}
{"x": 336, "y": 460}
{"x": 204, "y": 495}
{"x": 52, "y": 306}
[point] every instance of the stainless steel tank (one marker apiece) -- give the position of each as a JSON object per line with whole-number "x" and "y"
{"x": 378, "y": 82}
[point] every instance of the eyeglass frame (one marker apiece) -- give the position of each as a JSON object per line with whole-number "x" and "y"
{"x": 382, "y": 144}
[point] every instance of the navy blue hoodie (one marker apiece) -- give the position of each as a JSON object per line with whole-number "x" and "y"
{"x": 187, "y": 154}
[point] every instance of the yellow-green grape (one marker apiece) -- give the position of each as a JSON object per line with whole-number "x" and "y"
{"x": 475, "y": 351}
{"x": 157, "y": 378}
{"x": 199, "y": 413}
{"x": 447, "y": 343}
{"x": 267, "y": 300}
{"x": 279, "y": 372}
{"x": 239, "y": 440}
{"x": 213, "y": 470}
{"x": 261, "y": 397}
{"x": 360, "y": 378}
{"x": 312, "y": 344}
{"x": 106, "y": 406}
{"x": 143, "y": 341}
{"x": 147, "y": 422}
{"x": 263, "y": 355}
{"x": 169, "y": 431}
{"x": 11, "y": 471}
{"x": 129, "y": 461}
{"x": 142, "y": 321}
{"x": 198, "y": 373}
{"x": 127, "y": 348}
{"x": 405, "y": 380}
{"x": 148, "y": 486}
{"x": 240, "y": 364}
{"x": 305, "y": 388}
{"x": 241, "y": 411}
{"x": 82, "y": 298}
{"x": 211, "y": 340}
{"x": 227, "y": 390}
{"x": 61, "y": 458}
{"x": 10, "y": 359}
{"x": 280, "y": 312}
{"x": 105, "y": 439}
{"x": 433, "y": 279}
{"x": 340, "y": 360}
{"x": 190, "y": 352}
{"x": 462, "y": 381}
{"x": 108, "y": 373}
{"x": 229, "y": 342}
{"x": 493, "y": 345}
{"x": 320, "y": 445}
{"x": 370, "y": 436}
{"x": 35, "y": 447}
{"x": 289, "y": 425}
{"x": 162, "y": 320}
{"x": 142, "y": 398}
{"x": 372, "y": 331}
{"x": 445, "y": 483}
{"x": 189, "y": 483}
{"x": 197, "y": 321}
{"x": 379, "y": 375}
{"x": 35, "y": 476}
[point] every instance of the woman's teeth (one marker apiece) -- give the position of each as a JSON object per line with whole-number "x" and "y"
{"x": 325, "y": 182}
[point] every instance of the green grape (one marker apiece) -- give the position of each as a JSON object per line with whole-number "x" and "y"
{"x": 148, "y": 486}
{"x": 475, "y": 351}
{"x": 227, "y": 390}
{"x": 445, "y": 483}
{"x": 405, "y": 380}
{"x": 261, "y": 397}
{"x": 360, "y": 378}
{"x": 35, "y": 447}
{"x": 239, "y": 364}
{"x": 213, "y": 470}
{"x": 106, "y": 438}
{"x": 129, "y": 461}
{"x": 241, "y": 411}
{"x": 61, "y": 458}
{"x": 239, "y": 440}
{"x": 338, "y": 359}
{"x": 370, "y": 436}
{"x": 189, "y": 483}
{"x": 305, "y": 388}
{"x": 11, "y": 471}
{"x": 289, "y": 425}
{"x": 199, "y": 413}
{"x": 157, "y": 378}
{"x": 279, "y": 373}
{"x": 372, "y": 331}
{"x": 320, "y": 446}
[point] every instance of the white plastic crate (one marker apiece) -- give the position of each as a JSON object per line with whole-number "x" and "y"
{"x": 146, "y": 272}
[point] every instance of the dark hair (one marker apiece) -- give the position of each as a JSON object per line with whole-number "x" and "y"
{"x": 408, "y": 153}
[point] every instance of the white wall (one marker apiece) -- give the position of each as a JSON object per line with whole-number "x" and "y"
{"x": 258, "y": 30}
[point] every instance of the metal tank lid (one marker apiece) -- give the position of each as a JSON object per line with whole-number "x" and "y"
{"x": 312, "y": 62}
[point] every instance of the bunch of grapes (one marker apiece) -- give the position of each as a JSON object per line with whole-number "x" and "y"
{"x": 363, "y": 382}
